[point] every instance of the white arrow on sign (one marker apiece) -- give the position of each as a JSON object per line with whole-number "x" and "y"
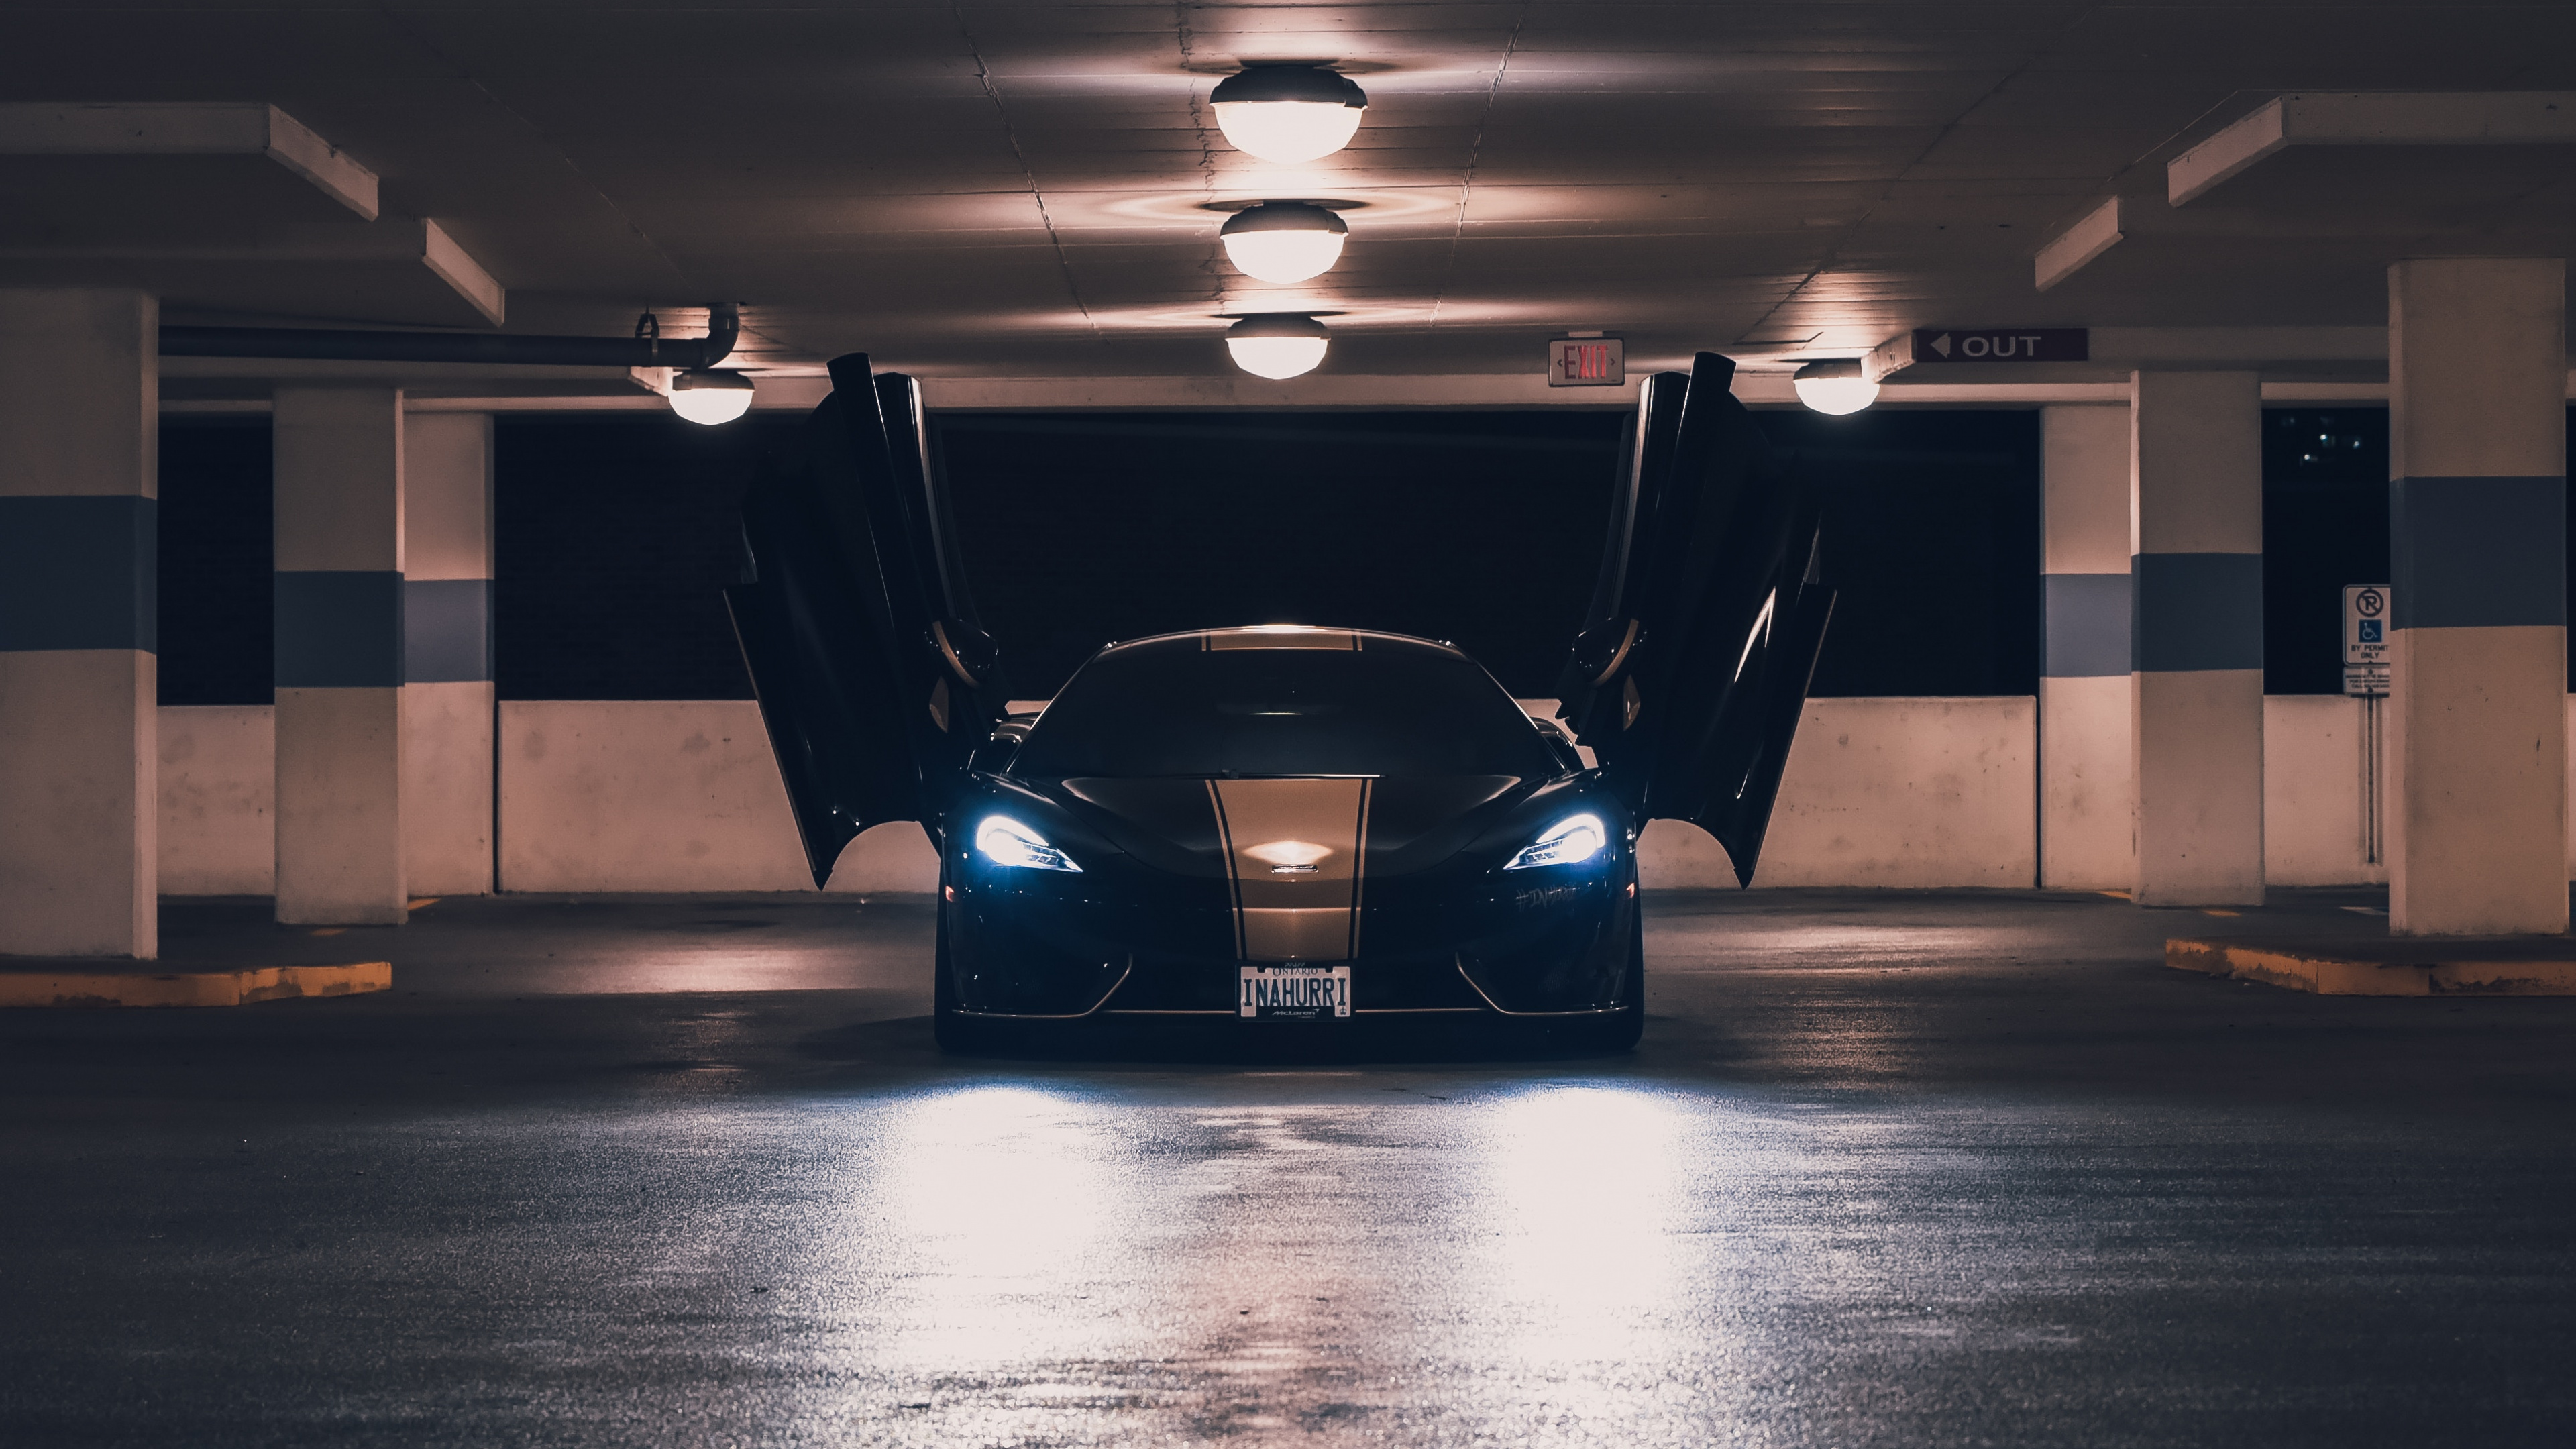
{"x": 1941, "y": 344}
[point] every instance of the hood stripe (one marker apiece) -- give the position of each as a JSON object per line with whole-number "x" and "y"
{"x": 1295, "y": 855}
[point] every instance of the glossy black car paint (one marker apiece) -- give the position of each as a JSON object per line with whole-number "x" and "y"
{"x": 1147, "y": 923}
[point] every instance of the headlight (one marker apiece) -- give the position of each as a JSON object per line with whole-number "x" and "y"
{"x": 1570, "y": 841}
{"x": 1005, "y": 841}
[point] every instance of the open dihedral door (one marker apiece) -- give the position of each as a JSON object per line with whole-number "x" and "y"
{"x": 874, "y": 679}
{"x": 1692, "y": 669}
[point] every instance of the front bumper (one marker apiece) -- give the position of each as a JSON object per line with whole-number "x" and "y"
{"x": 1061, "y": 946}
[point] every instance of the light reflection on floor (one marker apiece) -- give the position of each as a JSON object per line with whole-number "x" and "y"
{"x": 1017, "y": 1256}
{"x": 1002, "y": 1201}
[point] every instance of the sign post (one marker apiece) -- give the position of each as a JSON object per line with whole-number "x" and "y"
{"x": 2365, "y": 675}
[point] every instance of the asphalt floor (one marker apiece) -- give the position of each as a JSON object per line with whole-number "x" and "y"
{"x": 1888, "y": 1169}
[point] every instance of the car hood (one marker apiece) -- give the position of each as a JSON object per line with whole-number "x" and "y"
{"x": 1294, "y": 830}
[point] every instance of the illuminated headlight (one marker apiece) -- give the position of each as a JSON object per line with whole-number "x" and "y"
{"x": 1570, "y": 841}
{"x": 1005, "y": 841}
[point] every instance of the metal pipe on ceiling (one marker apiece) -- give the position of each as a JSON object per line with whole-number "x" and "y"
{"x": 724, "y": 325}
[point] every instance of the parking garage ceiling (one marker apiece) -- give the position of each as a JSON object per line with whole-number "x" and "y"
{"x": 1034, "y": 190}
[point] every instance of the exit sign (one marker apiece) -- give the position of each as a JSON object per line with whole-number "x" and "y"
{"x": 1587, "y": 362}
{"x": 2002, "y": 344}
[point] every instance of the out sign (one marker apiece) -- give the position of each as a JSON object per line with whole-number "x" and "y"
{"x": 1587, "y": 362}
{"x": 2002, "y": 344}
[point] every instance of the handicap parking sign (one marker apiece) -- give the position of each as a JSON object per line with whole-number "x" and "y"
{"x": 2365, "y": 639}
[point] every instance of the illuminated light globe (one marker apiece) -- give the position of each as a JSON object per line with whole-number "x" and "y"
{"x": 703, "y": 395}
{"x": 1284, "y": 241}
{"x": 1835, "y": 387}
{"x": 1279, "y": 345}
{"x": 1288, "y": 113}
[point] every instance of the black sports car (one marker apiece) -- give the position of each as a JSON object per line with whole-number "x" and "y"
{"x": 1284, "y": 821}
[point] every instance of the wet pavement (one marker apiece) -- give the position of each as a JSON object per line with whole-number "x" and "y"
{"x": 1888, "y": 1169}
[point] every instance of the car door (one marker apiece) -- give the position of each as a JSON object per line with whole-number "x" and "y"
{"x": 1709, "y": 612}
{"x": 874, "y": 679}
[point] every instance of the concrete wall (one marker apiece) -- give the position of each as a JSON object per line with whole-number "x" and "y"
{"x": 683, "y": 795}
{"x": 218, "y": 800}
{"x": 1887, "y": 792}
{"x": 667, "y": 795}
{"x": 2316, "y": 792}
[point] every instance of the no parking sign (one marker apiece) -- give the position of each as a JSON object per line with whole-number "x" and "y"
{"x": 2365, "y": 639}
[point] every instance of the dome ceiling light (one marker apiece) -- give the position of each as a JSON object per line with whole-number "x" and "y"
{"x": 705, "y": 395}
{"x": 1835, "y": 387}
{"x": 1288, "y": 113}
{"x": 1278, "y": 345}
{"x": 1284, "y": 241}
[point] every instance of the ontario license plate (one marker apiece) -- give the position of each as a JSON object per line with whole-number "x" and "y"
{"x": 1293, "y": 993}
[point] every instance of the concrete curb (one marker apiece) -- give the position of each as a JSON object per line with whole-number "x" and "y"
{"x": 2356, "y": 968}
{"x": 191, "y": 988}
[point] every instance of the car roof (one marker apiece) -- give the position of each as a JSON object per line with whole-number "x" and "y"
{"x": 1286, "y": 636}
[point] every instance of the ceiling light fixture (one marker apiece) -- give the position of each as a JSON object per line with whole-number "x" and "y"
{"x": 1836, "y": 387}
{"x": 704, "y": 395}
{"x": 1278, "y": 345}
{"x": 1284, "y": 241}
{"x": 1288, "y": 113}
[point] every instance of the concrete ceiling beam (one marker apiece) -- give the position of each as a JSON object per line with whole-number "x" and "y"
{"x": 2092, "y": 234}
{"x": 393, "y": 239}
{"x": 2371, "y": 118}
{"x": 188, "y": 128}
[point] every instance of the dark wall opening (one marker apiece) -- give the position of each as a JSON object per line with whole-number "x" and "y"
{"x": 1480, "y": 528}
{"x": 614, "y": 534}
{"x": 2325, "y": 525}
{"x": 1932, "y": 546}
{"x": 216, "y": 551}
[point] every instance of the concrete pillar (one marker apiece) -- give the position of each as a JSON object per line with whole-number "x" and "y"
{"x": 2196, "y": 636}
{"x": 79, "y": 751}
{"x": 447, "y": 653}
{"x": 339, "y": 460}
{"x": 2477, "y": 712}
{"x": 2087, "y": 824}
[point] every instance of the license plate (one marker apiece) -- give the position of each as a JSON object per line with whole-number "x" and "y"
{"x": 1293, "y": 993}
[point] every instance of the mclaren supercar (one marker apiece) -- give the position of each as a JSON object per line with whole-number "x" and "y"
{"x": 1285, "y": 822}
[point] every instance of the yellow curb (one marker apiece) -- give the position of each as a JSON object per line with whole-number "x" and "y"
{"x": 191, "y": 988}
{"x": 2417, "y": 972}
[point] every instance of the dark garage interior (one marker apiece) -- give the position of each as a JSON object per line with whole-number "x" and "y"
{"x": 1254, "y": 723}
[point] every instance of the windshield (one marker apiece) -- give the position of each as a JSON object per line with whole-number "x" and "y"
{"x": 1182, "y": 710}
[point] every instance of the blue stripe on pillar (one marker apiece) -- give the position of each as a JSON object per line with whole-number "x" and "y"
{"x": 339, "y": 629}
{"x": 2196, "y": 611}
{"x": 447, "y": 630}
{"x": 80, "y": 572}
{"x": 2471, "y": 553}
{"x": 2085, "y": 625}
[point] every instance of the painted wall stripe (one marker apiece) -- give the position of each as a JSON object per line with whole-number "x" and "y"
{"x": 2471, "y": 553}
{"x": 339, "y": 629}
{"x": 447, "y": 630}
{"x": 2084, "y": 625}
{"x": 79, "y": 573}
{"x": 2195, "y": 611}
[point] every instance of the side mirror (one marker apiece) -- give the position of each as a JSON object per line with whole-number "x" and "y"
{"x": 1561, "y": 741}
{"x": 994, "y": 755}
